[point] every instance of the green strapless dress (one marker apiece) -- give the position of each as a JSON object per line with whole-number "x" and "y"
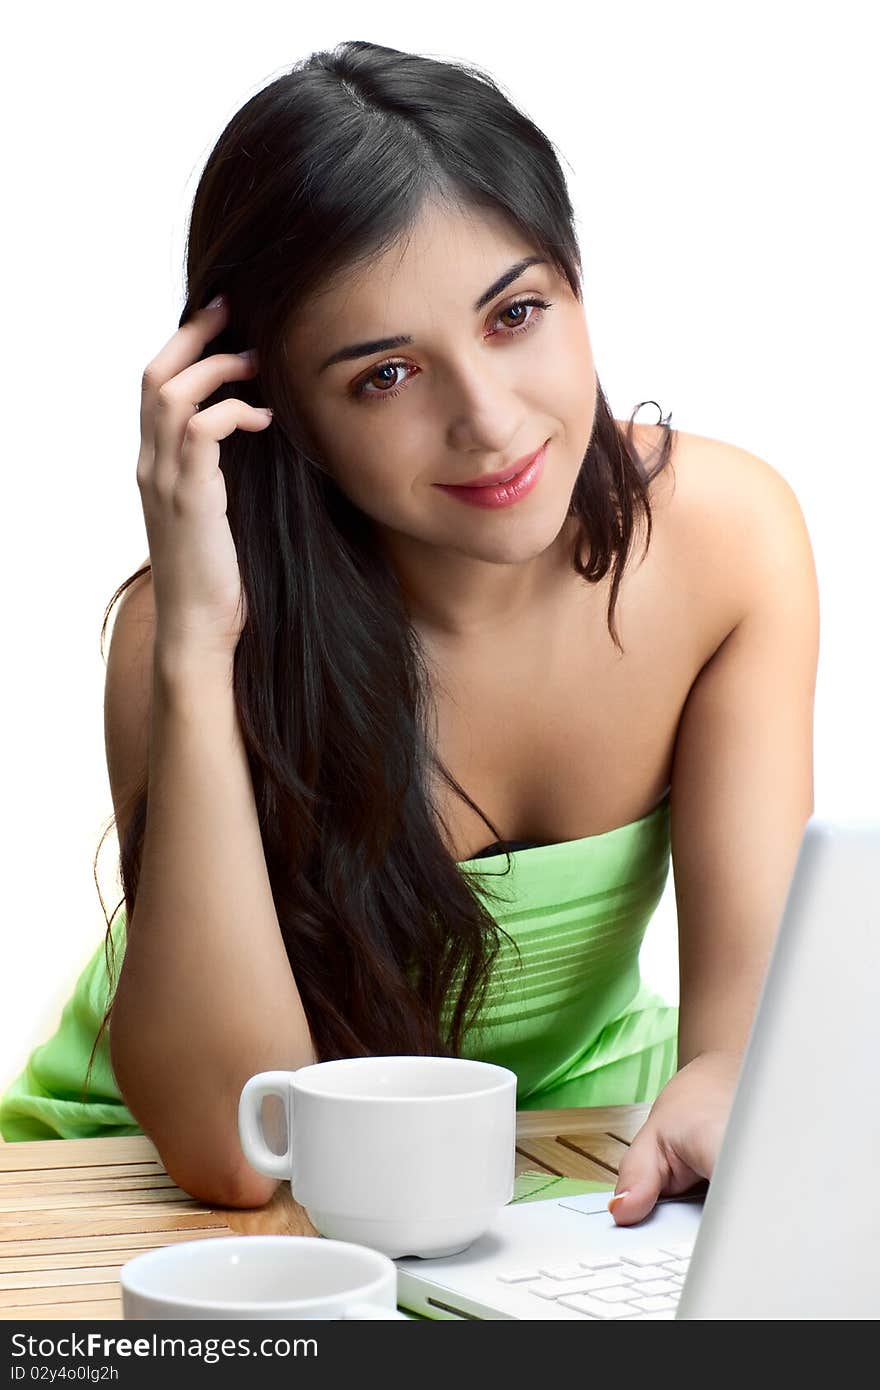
{"x": 575, "y": 1022}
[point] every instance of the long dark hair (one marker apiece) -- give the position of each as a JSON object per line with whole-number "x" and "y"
{"x": 327, "y": 167}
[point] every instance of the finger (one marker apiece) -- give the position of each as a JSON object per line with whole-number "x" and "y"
{"x": 184, "y": 346}
{"x": 178, "y": 402}
{"x": 183, "y": 349}
{"x": 640, "y": 1178}
{"x": 199, "y": 455}
{"x": 196, "y": 461}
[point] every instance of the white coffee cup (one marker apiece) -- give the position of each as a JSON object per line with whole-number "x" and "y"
{"x": 406, "y": 1155}
{"x": 260, "y": 1277}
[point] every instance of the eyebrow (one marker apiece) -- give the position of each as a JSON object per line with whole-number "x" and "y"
{"x": 348, "y": 354}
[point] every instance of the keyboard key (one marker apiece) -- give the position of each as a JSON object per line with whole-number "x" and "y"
{"x": 516, "y": 1276}
{"x": 606, "y": 1279}
{"x": 585, "y": 1303}
{"x": 599, "y": 1261}
{"x": 618, "y": 1293}
{"x": 678, "y": 1266}
{"x": 575, "y": 1301}
{"x": 656, "y": 1286}
{"x": 680, "y": 1249}
{"x": 655, "y": 1317}
{"x": 645, "y": 1257}
{"x": 557, "y": 1288}
{"x": 657, "y": 1305}
{"x": 638, "y": 1275}
{"x": 588, "y": 1283}
{"x": 550, "y": 1288}
{"x": 572, "y": 1270}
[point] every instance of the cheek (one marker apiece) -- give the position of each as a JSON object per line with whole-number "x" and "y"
{"x": 372, "y": 480}
{"x": 578, "y": 383}
{"x": 339, "y": 446}
{"x": 381, "y": 450}
{"x": 566, "y": 375}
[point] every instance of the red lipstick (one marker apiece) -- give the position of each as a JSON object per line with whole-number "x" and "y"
{"x": 489, "y": 491}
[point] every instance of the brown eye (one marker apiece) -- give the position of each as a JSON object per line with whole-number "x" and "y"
{"x": 360, "y": 389}
{"x": 520, "y": 305}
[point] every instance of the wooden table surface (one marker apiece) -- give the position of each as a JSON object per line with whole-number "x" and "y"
{"x": 73, "y": 1211}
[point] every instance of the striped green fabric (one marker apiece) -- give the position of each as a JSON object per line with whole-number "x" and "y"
{"x": 576, "y": 1023}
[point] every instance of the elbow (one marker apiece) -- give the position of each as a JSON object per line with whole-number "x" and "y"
{"x": 244, "y": 1189}
{"x": 250, "y": 1190}
{"x": 202, "y": 1174}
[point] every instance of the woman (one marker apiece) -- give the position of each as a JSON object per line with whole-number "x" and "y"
{"x": 367, "y": 634}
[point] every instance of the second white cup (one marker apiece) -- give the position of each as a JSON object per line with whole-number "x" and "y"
{"x": 247, "y": 1277}
{"x": 406, "y": 1155}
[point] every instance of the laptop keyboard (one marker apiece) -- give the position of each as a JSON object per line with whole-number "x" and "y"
{"x": 645, "y": 1283}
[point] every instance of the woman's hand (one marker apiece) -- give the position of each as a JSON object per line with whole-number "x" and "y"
{"x": 200, "y": 606}
{"x": 678, "y": 1143}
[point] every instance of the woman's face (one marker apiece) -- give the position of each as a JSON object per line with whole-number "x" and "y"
{"x": 474, "y": 390}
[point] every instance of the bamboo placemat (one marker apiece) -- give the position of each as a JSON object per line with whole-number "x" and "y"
{"x": 73, "y": 1211}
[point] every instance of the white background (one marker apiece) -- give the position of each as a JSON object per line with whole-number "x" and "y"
{"x": 722, "y": 161}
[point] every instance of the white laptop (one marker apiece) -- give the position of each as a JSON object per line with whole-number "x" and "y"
{"x": 790, "y": 1225}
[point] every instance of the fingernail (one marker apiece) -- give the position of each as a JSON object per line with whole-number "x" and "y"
{"x": 249, "y": 354}
{"x": 215, "y": 303}
{"x": 616, "y": 1198}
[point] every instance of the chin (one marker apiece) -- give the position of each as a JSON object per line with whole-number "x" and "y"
{"x": 511, "y": 545}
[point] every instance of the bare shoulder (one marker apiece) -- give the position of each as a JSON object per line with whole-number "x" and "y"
{"x": 127, "y": 696}
{"x": 707, "y": 477}
{"x": 721, "y": 514}
{"x": 138, "y": 601}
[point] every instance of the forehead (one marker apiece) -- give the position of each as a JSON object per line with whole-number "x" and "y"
{"x": 445, "y": 260}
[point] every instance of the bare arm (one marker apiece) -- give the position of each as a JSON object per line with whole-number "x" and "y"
{"x": 742, "y": 786}
{"x": 206, "y": 995}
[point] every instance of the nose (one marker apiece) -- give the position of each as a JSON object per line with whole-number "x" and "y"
{"x": 485, "y": 412}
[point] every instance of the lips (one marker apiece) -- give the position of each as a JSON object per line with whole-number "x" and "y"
{"x": 503, "y": 474}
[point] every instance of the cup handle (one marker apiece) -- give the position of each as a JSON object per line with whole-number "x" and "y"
{"x": 371, "y": 1310}
{"x": 250, "y": 1131}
